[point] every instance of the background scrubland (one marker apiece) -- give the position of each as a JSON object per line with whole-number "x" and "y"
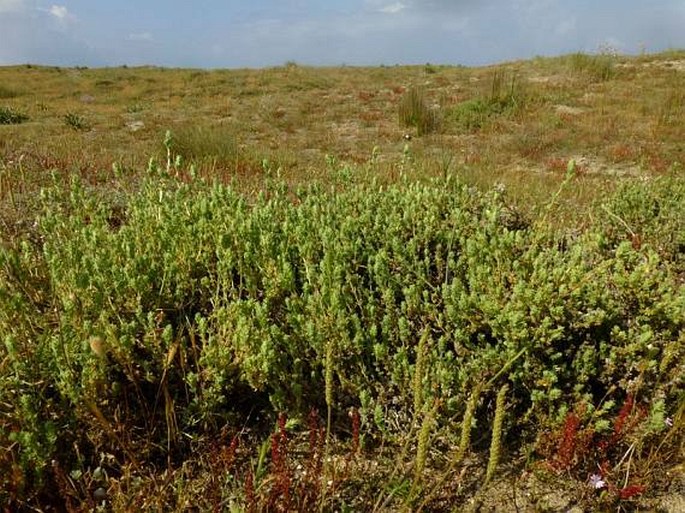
{"x": 424, "y": 288}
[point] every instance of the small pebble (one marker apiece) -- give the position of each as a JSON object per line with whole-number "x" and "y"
{"x": 100, "y": 494}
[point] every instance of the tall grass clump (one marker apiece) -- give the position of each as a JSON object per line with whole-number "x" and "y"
{"x": 671, "y": 109}
{"x": 205, "y": 144}
{"x": 8, "y": 92}
{"x": 600, "y": 67}
{"x": 415, "y": 111}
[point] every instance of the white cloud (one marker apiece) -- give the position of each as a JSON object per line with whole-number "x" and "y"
{"x": 140, "y": 36}
{"x": 393, "y": 8}
{"x": 60, "y": 12}
{"x": 358, "y": 32}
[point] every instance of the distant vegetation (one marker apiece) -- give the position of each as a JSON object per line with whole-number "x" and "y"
{"x": 599, "y": 67}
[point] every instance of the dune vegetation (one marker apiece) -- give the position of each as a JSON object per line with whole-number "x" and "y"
{"x": 403, "y": 288}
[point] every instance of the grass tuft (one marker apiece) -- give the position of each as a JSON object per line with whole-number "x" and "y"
{"x": 9, "y": 116}
{"x": 203, "y": 144}
{"x": 8, "y": 92}
{"x": 600, "y": 67}
{"x": 414, "y": 111}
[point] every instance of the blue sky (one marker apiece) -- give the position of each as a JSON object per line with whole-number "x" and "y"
{"x": 257, "y": 33}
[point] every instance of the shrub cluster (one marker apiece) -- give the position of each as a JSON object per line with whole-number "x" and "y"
{"x": 122, "y": 329}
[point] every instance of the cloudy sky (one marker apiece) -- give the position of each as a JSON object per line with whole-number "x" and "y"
{"x": 256, "y": 33}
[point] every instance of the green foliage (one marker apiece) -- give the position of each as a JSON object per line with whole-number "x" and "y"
{"x": 648, "y": 213}
{"x": 504, "y": 97}
{"x": 76, "y": 121}
{"x": 9, "y": 116}
{"x": 472, "y": 115}
{"x": 196, "y": 305}
{"x": 414, "y": 111}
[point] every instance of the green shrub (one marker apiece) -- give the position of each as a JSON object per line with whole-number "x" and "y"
{"x": 76, "y": 121}
{"x": 472, "y": 115}
{"x": 201, "y": 305}
{"x": 9, "y": 116}
{"x": 505, "y": 96}
{"x": 647, "y": 213}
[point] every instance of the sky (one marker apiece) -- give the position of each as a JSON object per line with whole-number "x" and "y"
{"x": 260, "y": 33}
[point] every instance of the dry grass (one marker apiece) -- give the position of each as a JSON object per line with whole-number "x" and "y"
{"x": 517, "y": 123}
{"x": 295, "y": 116}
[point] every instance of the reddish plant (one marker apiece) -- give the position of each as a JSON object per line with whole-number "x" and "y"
{"x": 623, "y": 414}
{"x": 356, "y": 421}
{"x": 313, "y": 424}
{"x": 280, "y": 493}
{"x": 631, "y": 491}
{"x": 317, "y": 437}
{"x": 250, "y": 497}
{"x": 221, "y": 459}
{"x": 226, "y": 453}
{"x": 567, "y": 445}
{"x": 310, "y": 486}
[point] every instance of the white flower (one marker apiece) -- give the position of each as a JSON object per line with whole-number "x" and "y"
{"x": 597, "y": 482}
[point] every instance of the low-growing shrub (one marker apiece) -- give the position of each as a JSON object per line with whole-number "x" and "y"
{"x": 201, "y": 307}
{"x": 505, "y": 96}
{"x": 9, "y": 116}
{"x": 647, "y": 213}
{"x": 76, "y": 121}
